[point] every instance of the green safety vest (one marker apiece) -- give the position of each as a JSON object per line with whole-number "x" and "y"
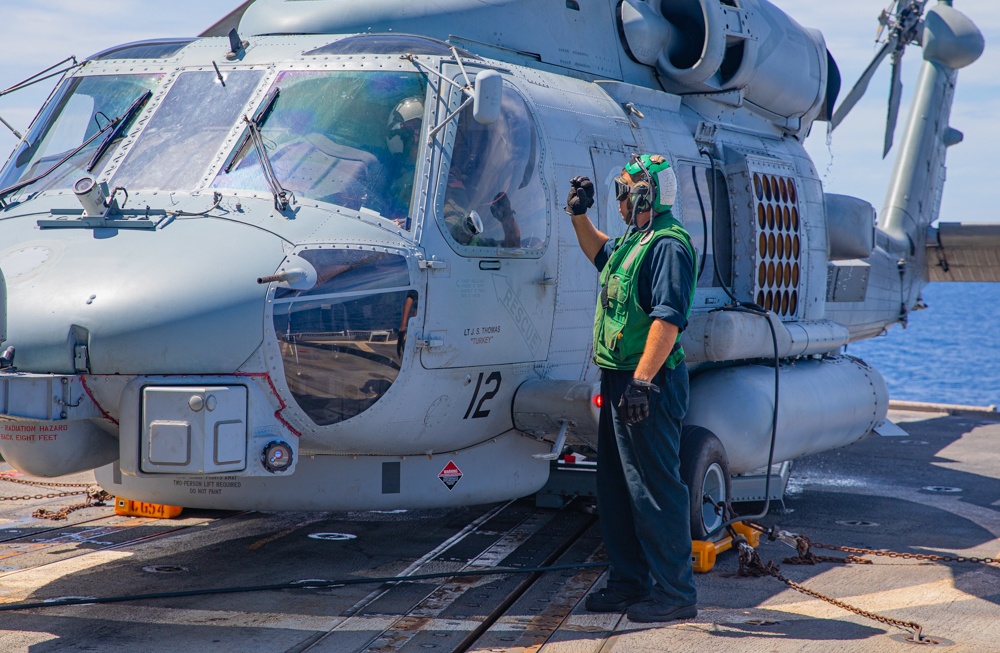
{"x": 620, "y": 325}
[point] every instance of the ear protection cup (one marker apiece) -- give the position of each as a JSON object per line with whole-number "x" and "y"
{"x": 641, "y": 192}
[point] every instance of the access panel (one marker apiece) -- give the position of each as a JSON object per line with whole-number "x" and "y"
{"x": 187, "y": 429}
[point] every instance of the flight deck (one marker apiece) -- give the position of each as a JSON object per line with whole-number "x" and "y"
{"x": 315, "y": 582}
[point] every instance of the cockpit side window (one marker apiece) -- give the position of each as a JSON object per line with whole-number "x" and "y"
{"x": 493, "y": 200}
{"x": 76, "y": 112}
{"x": 349, "y": 138}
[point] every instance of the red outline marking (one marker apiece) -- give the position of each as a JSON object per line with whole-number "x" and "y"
{"x": 274, "y": 391}
{"x": 106, "y": 414}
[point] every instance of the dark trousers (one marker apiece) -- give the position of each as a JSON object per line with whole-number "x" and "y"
{"x": 643, "y": 503}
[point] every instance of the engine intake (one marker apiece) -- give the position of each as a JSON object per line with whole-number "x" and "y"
{"x": 707, "y": 46}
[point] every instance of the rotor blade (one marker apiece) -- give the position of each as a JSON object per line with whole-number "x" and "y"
{"x": 895, "y": 93}
{"x": 861, "y": 85}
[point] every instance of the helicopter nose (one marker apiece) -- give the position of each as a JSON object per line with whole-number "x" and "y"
{"x": 179, "y": 299}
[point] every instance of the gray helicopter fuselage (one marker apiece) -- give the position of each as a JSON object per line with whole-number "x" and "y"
{"x": 371, "y": 344}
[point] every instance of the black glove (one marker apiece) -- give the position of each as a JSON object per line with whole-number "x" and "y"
{"x": 581, "y": 196}
{"x": 635, "y": 402}
{"x": 400, "y": 342}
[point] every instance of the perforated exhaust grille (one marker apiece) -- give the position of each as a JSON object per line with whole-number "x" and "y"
{"x": 778, "y": 268}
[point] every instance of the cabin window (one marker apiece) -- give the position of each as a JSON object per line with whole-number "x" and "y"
{"x": 342, "y": 342}
{"x": 708, "y": 222}
{"x": 349, "y": 138}
{"x": 77, "y": 111}
{"x": 187, "y": 130}
{"x": 493, "y": 201}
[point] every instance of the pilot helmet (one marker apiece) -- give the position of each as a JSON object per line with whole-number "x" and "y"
{"x": 404, "y": 124}
{"x": 654, "y": 184}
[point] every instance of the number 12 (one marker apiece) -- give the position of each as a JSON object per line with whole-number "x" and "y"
{"x": 493, "y": 378}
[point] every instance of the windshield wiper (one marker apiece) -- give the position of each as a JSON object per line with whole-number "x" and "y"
{"x": 259, "y": 117}
{"x": 118, "y": 128}
{"x": 279, "y": 191}
{"x": 254, "y": 136}
{"x": 76, "y": 150}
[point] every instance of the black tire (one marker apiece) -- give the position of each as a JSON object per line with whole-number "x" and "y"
{"x": 705, "y": 469}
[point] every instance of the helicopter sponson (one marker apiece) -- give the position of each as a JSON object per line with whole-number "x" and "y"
{"x": 320, "y": 261}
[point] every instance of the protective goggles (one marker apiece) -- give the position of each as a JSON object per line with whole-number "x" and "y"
{"x": 623, "y": 189}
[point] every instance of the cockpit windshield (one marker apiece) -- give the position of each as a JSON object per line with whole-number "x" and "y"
{"x": 347, "y": 137}
{"x": 187, "y": 130}
{"x": 80, "y": 108}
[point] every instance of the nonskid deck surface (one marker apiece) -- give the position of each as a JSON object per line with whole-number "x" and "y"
{"x": 935, "y": 491}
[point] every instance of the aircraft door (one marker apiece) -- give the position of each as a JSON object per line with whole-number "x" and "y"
{"x": 491, "y": 277}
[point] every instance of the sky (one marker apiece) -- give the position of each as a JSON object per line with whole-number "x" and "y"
{"x": 50, "y": 30}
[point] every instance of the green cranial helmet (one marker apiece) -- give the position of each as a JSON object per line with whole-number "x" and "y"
{"x": 657, "y": 171}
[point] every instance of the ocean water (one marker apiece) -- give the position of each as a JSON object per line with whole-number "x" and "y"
{"x": 949, "y": 353}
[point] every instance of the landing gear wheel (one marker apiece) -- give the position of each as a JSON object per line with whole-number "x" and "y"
{"x": 705, "y": 470}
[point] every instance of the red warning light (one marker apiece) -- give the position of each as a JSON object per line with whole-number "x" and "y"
{"x": 598, "y": 400}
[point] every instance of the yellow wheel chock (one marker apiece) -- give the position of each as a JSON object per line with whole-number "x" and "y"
{"x": 130, "y": 508}
{"x": 703, "y": 553}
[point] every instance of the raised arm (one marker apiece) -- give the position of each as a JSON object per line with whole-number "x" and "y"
{"x": 581, "y": 198}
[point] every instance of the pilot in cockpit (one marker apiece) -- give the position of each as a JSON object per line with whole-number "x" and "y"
{"x": 403, "y": 140}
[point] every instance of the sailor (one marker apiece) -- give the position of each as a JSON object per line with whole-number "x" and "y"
{"x": 647, "y": 285}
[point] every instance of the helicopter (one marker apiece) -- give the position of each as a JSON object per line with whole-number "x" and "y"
{"x": 316, "y": 259}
